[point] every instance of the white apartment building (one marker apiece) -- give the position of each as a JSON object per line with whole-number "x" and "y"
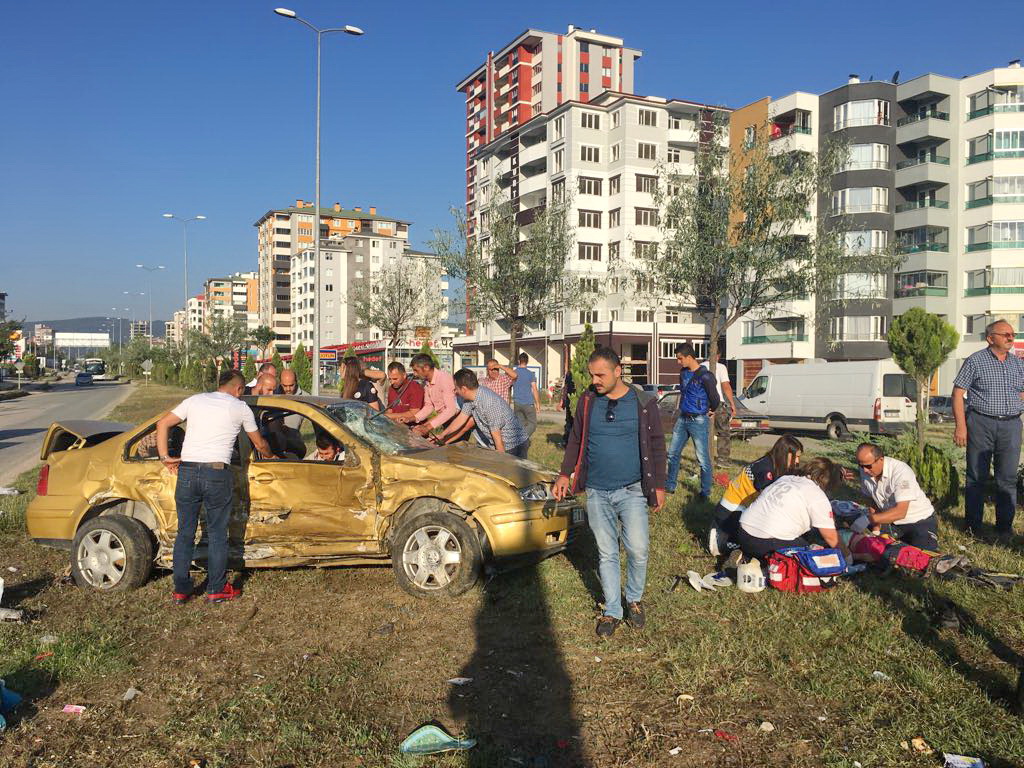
{"x": 605, "y": 155}
{"x": 196, "y": 313}
{"x": 234, "y": 296}
{"x": 174, "y": 331}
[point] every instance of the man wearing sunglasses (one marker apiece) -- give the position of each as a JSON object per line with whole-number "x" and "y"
{"x": 897, "y": 500}
{"x": 616, "y": 451}
{"x": 990, "y": 426}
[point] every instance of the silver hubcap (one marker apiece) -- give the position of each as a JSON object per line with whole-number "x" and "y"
{"x": 101, "y": 559}
{"x": 431, "y": 557}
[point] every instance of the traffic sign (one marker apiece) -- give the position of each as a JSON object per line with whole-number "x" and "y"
{"x": 147, "y": 366}
{"x": 19, "y": 366}
{"x": 329, "y": 354}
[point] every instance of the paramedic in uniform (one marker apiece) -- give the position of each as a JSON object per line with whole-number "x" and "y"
{"x": 896, "y": 499}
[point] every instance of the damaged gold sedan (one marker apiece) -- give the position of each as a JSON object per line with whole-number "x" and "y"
{"x": 439, "y": 515}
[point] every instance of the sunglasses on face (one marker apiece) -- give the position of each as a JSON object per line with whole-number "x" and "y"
{"x": 1007, "y": 335}
{"x": 869, "y": 465}
{"x": 609, "y": 415}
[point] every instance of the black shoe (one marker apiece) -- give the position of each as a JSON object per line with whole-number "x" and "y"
{"x": 606, "y": 626}
{"x": 635, "y": 615}
{"x": 1004, "y": 535}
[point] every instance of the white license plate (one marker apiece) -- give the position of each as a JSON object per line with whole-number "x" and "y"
{"x": 577, "y": 516}
{"x": 749, "y": 424}
{"x": 892, "y": 413}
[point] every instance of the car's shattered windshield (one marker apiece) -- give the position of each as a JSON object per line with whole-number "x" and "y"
{"x": 377, "y": 429}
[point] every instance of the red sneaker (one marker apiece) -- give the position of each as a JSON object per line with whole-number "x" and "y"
{"x": 230, "y": 592}
{"x": 180, "y": 598}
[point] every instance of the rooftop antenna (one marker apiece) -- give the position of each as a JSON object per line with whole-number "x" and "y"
{"x": 896, "y": 77}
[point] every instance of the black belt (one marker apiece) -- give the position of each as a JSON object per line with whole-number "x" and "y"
{"x": 997, "y": 418}
{"x": 209, "y": 464}
{"x": 691, "y": 415}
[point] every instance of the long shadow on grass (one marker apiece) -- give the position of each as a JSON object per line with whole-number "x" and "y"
{"x": 519, "y": 704}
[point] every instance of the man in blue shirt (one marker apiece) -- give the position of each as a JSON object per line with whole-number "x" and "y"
{"x": 990, "y": 426}
{"x": 698, "y": 396}
{"x": 526, "y": 398}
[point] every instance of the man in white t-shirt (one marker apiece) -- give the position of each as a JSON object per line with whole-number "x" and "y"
{"x": 205, "y": 479}
{"x": 725, "y": 412}
{"x": 897, "y": 500}
{"x": 789, "y": 508}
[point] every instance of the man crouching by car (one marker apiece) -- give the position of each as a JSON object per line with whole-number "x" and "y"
{"x": 616, "y": 451}
{"x": 213, "y": 421}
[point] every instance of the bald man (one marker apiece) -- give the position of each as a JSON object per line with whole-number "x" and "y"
{"x": 266, "y": 383}
{"x": 290, "y": 386}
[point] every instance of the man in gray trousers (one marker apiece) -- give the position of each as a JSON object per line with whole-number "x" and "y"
{"x": 992, "y": 381}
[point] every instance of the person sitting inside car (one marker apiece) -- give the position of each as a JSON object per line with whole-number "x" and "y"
{"x": 327, "y": 449}
{"x": 788, "y": 509}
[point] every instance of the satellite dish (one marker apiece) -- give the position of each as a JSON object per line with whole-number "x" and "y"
{"x": 895, "y": 77}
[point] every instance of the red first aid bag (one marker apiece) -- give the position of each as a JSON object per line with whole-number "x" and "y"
{"x": 801, "y": 570}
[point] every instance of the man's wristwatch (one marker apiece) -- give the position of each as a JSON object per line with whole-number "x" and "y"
{"x": 165, "y": 458}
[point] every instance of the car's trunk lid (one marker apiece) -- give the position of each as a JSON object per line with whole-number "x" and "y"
{"x": 77, "y": 434}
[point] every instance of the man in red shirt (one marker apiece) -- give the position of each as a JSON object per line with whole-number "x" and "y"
{"x": 405, "y": 395}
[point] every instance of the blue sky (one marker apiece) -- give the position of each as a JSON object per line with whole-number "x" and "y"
{"x": 116, "y": 112}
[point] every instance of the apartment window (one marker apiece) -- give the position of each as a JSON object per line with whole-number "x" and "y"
{"x": 588, "y": 316}
{"x": 864, "y": 112}
{"x": 858, "y": 328}
{"x": 648, "y": 117}
{"x": 977, "y": 278}
{"x": 613, "y": 252}
{"x": 646, "y": 217}
{"x": 671, "y": 315}
{"x": 329, "y": 287}
{"x": 615, "y": 217}
{"x": 606, "y": 71}
{"x": 866, "y": 240}
{"x": 647, "y": 151}
{"x": 589, "y": 284}
{"x": 674, "y": 155}
{"x": 559, "y": 127}
{"x": 584, "y": 46}
{"x": 590, "y": 219}
{"x": 644, "y": 315}
{"x": 282, "y": 245}
{"x": 536, "y": 109}
{"x": 536, "y": 69}
{"x": 584, "y": 87}
{"x": 1008, "y": 231}
{"x": 647, "y": 184}
{"x": 590, "y": 186}
{"x": 589, "y": 251}
{"x": 614, "y": 185}
{"x": 557, "y": 191}
{"x": 589, "y": 154}
{"x": 916, "y": 283}
{"x": 616, "y": 151}
{"x": 1005, "y": 140}
{"x": 644, "y": 249}
{"x": 1008, "y": 186}
{"x": 359, "y": 258}
{"x": 559, "y": 163}
{"x": 1008, "y": 277}
{"x": 861, "y": 285}
{"x": 749, "y": 136}
{"x": 860, "y": 200}
{"x": 590, "y": 119}
{"x": 867, "y": 156}
{"x": 281, "y": 231}
{"x": 615, "y": 118}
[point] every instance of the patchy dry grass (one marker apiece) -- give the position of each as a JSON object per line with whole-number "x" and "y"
{"x": 335, "y": 667}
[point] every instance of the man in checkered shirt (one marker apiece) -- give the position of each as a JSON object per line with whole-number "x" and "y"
{"x": 499, "y": 379}
{"x": 990, "y": 425}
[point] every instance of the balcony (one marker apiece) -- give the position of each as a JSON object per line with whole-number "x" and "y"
{"x": 923, "y": 247}
{"x": 937, "y": 159}
{"x": 934, "y": 115}
{"x": 775, "y": 338}
{"x": 910, "y": 292}
{"x": 997, "y": 155}
{"x": 866, "y": 208}
{"x": 904, "y": 207}
{"x": 989, "y": 290}
{"x": 995, "y": 108}
{"x": 988, "y": 246}
{"x": 983, "y": 201}
{"x": 789, "y": 131}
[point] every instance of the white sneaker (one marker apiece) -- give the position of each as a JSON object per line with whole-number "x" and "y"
{"x": 713, "y": 538}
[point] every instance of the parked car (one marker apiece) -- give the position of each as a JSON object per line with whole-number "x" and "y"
{"x": 875, "y": 396}
{"x": 745, "y": 425}
{"x": 436, "y": 514}
{"x": 83, "y": 379}
{"x": 940, "y": 408}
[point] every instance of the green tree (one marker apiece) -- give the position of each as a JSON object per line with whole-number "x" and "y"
{"x": 225, "y": 335}
{"x": 920, "y": 342}
{"x": 276, "y": 360}
{"x": 303, "y": 369}
{"x": 9, "y": 332}
{"x": 263, "y": 337}
{"x": 209, "y": 374}
{"x": 580, "y": 372}
{"x": 426, "y": 350}
{"x": 249, "y": 369}
{"x": 401, "y": 298}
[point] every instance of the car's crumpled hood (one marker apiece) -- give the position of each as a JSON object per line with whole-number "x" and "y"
{"x": 519, "y": 472}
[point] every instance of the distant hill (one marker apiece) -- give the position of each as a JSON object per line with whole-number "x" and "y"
{"x": 89, "y": 325}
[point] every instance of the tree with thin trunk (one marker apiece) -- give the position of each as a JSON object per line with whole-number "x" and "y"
{"x": 579, "y": 365}
{"x": 263, "y": 337}
{"x": 225, "y": 335}
{"x": 401, "y": 298}
{"x": 738, "y": 239}
{"x": 516, "y": 270}
{"x": 920, "y": 343}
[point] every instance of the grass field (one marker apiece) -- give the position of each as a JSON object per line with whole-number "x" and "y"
{"x": 335, "y": 667}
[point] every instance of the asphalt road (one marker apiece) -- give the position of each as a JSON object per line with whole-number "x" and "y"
{"x": 24, "y": 421}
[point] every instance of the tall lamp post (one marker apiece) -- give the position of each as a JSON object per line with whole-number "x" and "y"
{"x": 348, "y": 30}
{"x": 150, "y": 271}
{"x": 184, "y": 236}
{"x": 131, "y": 309}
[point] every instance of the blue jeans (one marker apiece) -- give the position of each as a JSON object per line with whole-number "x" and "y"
{"x": 991, "y": 441}
{"x": 606, "y": 511}
{"x": 213, "y": 490}
{"x": 687, "y": 427}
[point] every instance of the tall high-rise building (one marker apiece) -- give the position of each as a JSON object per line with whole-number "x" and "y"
{"x": 533, "y": 74}
{"x": 236, "y": 295}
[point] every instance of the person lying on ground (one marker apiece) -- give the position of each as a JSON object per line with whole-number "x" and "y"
{"x": 327, "y": 449}
{"x": 782, "y": 459}
{"x": 788, "y": 509}
{"x": 495, "y": 423}
{"x": 898, "y": 503}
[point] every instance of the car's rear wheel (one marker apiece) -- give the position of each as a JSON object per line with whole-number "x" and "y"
{"x": 436, "y": 554}
{"x": 112, "y": 553}
{"x": 836, "y": 428}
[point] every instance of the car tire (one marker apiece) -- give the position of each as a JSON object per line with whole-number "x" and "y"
{"x": 420, "y": 548}
{"x": 836, "y": 429}
{"x": 112, "y": 553}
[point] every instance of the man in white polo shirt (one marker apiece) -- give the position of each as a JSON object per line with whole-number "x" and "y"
{"x": 205, "y": 479}
{"x": 897, "y": 499}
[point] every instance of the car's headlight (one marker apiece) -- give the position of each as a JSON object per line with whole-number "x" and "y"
{"x": 536, "y": 492}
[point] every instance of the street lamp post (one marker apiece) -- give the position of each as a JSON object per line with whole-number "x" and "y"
{"x": 349, "y": 30}
{"x": 150, "y": 271}
{"x": 132, "y": 310}
{"x": 184, "y": 236}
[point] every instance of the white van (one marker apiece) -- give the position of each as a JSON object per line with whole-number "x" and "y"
{"x": 873, "y": 396}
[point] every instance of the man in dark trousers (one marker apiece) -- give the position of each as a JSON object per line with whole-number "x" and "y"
{"x": 990, "y": 425}
{"x": 616, "y": 452}
{"x": 565, "y": 404}
{"x": 698, "y": 396}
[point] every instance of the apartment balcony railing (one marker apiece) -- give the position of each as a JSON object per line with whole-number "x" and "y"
{"x": 922, "y": 247}
{"x": 937, "y": 159}
{"x": 866, "y": 165}
{"x": 854, "y": 122}
{"x": 936, "y": 115}
{"x": 861, "y": 337}
{"x": 988, "y": 290}
{"x": 913, "y": 206}
{"x": 866, "y": 208}
{"x": 995, "y": 108}
{"x": 774, "y": 338}
{"x": 924, "y": 290}
{"x": 983, "y": 201}
{"x": 998, "y": 154}
{"x": 790, "y": 131}
{"x": 988, "y": 246}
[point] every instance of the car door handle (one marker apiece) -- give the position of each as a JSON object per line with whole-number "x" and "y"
{"x": 263, "y": 477}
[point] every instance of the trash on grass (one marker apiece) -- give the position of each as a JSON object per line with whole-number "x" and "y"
{"x": 694, "y": 578}
{"x": 43, "y": 655}
{"x": 12, "y": 569}
{"x": 597, "y": 659}
{"x": 48, "y": 639}
{"x": 675, "y": 751}
{"x": 9, "y": 614}
{"x": 707, "y": 583}
{"x": 720, "y": 579}
{"x": 683, "y": 697}
{"x": 766, "y": 727}
{"x": 6, "y": 490}
{"x": 130, "y": 694}
{"x": 724, "y": 735}
{"x": 880, "y": 676}
{"x": 430, "y": 739}
{"x": 920, "y": 745}
{"x": 73, "y": 709}
{"x": 461, "y": 680}
{"x": 962, "y": 761}
{"x": 385, "y": 629}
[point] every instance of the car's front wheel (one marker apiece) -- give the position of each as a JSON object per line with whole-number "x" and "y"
{"x": 436, "y": 554}
{"x": 112, "y": 553}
